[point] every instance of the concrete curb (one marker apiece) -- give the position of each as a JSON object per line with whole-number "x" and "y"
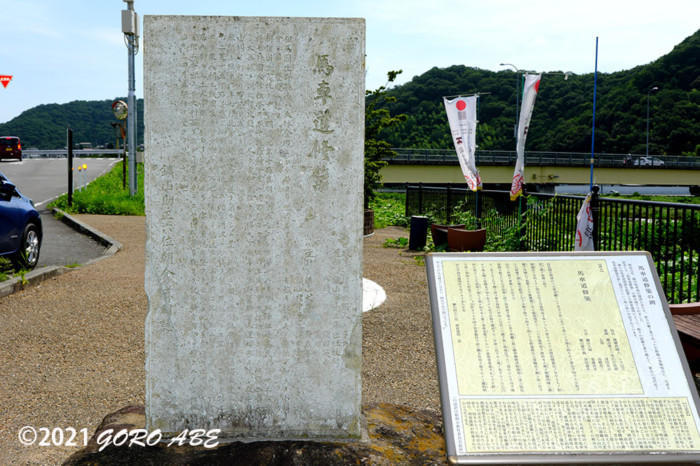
{"x": 31, "y": 278}
{"x": 39, "y": 275}
{"x": 110, "y": 243}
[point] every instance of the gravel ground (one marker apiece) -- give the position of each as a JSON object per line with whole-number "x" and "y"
{"x": 73, "y": 345}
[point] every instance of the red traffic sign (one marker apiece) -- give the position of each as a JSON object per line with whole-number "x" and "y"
{"x": 5, "y": 79}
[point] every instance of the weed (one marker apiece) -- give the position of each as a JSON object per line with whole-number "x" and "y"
{"x": 389, "y": 209}
{"x": 5, "y": 266}
{"x": 400, "y": 243}
{"x": 22, "y": 275}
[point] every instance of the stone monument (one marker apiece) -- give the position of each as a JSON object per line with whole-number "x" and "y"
{"x": 253, "y": 187}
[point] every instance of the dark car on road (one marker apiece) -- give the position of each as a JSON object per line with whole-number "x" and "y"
{"x": 10, "y": 148}
{"x": 20, "y": 227}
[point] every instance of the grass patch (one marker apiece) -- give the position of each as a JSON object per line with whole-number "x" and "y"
{"x": 105, "y": 195}
{"x": 400, "y": 243}
{"x": 389, "y": 209}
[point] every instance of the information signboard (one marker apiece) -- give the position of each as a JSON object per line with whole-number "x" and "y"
{"x": 559, "y": 358}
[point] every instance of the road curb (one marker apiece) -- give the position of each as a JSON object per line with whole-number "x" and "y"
{"x": 31, "y": 278}
{"x": 39, "y": 275}
{"x": 110, "y": 243}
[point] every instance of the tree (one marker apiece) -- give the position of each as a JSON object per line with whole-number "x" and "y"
{"x": 377, "y": 119}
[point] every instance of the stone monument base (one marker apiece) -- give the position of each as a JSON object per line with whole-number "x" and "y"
{"x": 397, "y": 435}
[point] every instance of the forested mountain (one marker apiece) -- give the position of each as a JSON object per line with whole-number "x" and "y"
{"x": 561, "y": 120}
{"x": 44, "y": 126}
{"x": 562, "y": 117}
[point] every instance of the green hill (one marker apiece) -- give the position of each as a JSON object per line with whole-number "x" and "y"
{"x": 563, "y": 111}
{"x": 561, "y": 120}
{"x": 44, "y": 126}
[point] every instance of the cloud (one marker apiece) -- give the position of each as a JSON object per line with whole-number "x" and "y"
{"x": 104, "y": 35}
{"x": 29, "y": 18}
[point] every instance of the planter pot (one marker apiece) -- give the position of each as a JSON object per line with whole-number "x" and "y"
{"x": 439, "y": 233}
{"x": 459, "y": 239}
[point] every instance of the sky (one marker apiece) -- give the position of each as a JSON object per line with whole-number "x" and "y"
{"x": 64, "y": 50}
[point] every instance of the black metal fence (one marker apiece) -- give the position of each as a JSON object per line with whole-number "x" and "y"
{"x": 547, "y": 222}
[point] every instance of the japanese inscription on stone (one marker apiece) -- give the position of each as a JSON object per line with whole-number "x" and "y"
{"x": 255, "y": 204}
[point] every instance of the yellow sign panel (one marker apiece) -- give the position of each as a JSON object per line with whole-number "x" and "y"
{"x": 581, "y": 424}
{"x": 516, "y": 319}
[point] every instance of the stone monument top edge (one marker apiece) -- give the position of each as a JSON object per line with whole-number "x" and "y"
{"x": 259, "y": 18}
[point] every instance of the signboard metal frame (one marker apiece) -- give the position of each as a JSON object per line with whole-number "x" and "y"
{"x": 556, "y": 457}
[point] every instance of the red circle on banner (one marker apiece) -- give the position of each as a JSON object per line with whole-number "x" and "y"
{"x": 461, "y": 105}
{"x": 537, "y": 86}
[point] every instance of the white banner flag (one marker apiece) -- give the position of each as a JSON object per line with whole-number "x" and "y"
{"x": 584, "y": 227}
{"x": 461, "y": 113}
{"x": 530, "y": 89}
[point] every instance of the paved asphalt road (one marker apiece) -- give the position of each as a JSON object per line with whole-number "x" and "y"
{"x": 42, "y": 180}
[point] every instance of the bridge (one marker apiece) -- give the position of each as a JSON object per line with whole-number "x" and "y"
{"x": 63, "y": 153}
{"x": 438, "y": 166}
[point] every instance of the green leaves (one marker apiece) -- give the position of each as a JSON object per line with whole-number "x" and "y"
{"x": 377, "y": 120}
{"x": 563, "y": 114}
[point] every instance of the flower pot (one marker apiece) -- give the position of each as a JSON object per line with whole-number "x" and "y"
{"x": 459, "y": 239}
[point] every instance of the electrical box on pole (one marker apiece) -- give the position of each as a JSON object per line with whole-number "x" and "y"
{"x": 130, "y": 28}
{"x": 130, "y": 22}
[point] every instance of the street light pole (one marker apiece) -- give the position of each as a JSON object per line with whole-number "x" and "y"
{"x": 517, "y": 96}
{"x": 130, "y": 28}
{"x": 655, "y": 88}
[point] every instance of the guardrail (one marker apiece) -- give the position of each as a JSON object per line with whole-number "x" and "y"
{"x": 62, "y": 153}
{"x": 540, "y": 158}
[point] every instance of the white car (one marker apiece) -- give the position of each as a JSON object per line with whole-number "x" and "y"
{"x": 646, "y": 161}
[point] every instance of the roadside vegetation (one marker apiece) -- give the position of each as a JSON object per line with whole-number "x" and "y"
{"x": 389, "y": 209}
{"x": 105, "y": 195}
{"x": 8, "y": 271}
{"x": 673, "y": 240}
{"x": 5, "y": 268}
{"x": 645, "y": 197}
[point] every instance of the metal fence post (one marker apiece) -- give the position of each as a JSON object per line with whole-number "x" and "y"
{"x": 522, "y": 211}
{"x": 407, "y": 190}
{"x": 69, "y": 144}
{"x": 420, "y": 198}
{"x": 479, "y": 201}
{"x": 448, "y": 204}
{"x": 595, "y": 213}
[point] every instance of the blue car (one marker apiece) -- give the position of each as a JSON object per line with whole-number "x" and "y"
{"x": 20, "y": 227}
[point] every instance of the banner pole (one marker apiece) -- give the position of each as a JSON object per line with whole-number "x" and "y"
{"x": 477, "y": 206}
{"x": 595, "y": 88}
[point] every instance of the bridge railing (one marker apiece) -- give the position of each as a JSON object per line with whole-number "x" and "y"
{"x": 540, "y": 158}
{"x": 62, "y": 153}
{"x": 669, "y": 231}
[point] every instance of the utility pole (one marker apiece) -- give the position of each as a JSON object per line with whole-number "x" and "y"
{"x": 518, "y": 76}
{"x": 653, "y": 89}
{"x": 130, "y": 28}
